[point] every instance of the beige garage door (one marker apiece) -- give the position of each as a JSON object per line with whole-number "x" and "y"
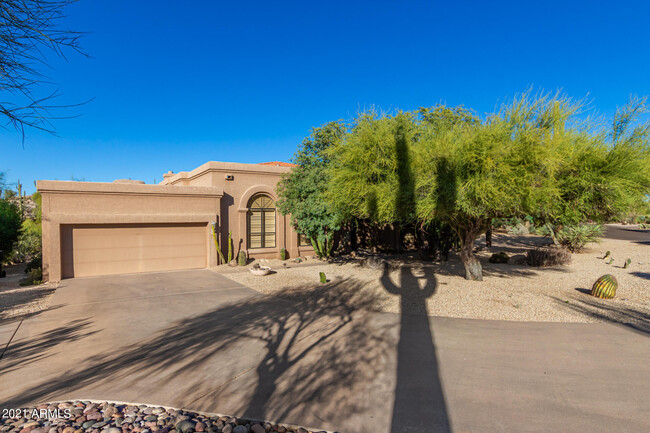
{"x": 129, "y": 248}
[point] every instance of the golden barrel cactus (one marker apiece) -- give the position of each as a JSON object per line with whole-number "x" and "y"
{"x": 605, "y": 287}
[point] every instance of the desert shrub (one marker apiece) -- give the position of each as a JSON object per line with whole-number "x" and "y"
{"x": 499, "y": 223}
{"x": 540, "y": 257}
{"x": 518, "y": 230}
{"x": 36, "y": 262}
{"x": 574, "y": 238}
{"x": 283, "y": 254}
{"x": 9, "y": 227}
{"x": 500, "y": 257}
{"x": 28, "y": 244}
{"x": 35, "y": 276}
{"x": 514, "y": 226}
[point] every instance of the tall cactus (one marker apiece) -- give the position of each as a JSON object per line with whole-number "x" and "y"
{"x": 229, "y": 246}
{"x": 216, "y": 244}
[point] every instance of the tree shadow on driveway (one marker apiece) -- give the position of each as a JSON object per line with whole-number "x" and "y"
{"x": 36, "y": 349}
{"x": 318, "y": 348}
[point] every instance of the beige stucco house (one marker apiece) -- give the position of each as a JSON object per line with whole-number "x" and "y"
{"x": 95, "y": 228}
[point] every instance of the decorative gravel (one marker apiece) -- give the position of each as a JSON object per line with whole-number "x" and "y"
{"x": 17, "y": 302}
{"x": 512, "y": 291}
{"x": 110, "y": 417}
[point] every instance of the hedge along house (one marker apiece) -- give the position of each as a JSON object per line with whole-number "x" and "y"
{"x": 94, "y": 228}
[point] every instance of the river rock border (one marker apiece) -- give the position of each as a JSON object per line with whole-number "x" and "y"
{"x": 114, "y": 417}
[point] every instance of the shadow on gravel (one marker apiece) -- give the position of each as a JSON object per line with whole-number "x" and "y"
{"x": 318, "y": 348}
{"x": 635, "y": 319}
{"x": 644, "y": 275}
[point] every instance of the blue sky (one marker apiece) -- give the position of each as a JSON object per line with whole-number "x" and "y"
{"x": 176, "y": 84}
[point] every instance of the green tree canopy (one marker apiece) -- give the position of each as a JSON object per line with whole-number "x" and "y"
{"x": 9, "y": 226}
{"x": 302, "y": 191}
{"x": 371, "y": 172}
{"x": 536, "y": 156}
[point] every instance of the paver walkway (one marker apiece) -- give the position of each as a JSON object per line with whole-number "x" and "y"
{"x": 197, "y": 340}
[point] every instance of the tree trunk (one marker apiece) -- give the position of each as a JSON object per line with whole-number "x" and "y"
{"x": 552, "y": 229}
{"x": 467, "y": 235}
{"x": 488, "y": 236}
{"x": 421, "y": 242}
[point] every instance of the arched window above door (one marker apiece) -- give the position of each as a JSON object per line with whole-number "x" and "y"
{"x": 261, "y": 222}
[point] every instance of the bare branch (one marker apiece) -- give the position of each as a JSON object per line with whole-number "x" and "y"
{"x": 29, "y": 31}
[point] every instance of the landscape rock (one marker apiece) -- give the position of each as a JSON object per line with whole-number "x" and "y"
{"x": 111, "y": 418}
{"x": 518, "y": 259}
{"x": 375, "y": 263}
{"x": 185, "y": 426}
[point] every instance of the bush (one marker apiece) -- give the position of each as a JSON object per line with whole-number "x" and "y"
{"x": 500, "y": 257}
{"x": 35, "y": 277}
{"x": 517, "y": 230}
{"x": 36, "y": 262}
{"x": 28, "y": 244}
{"x": 574, "y": 238}
{"x": 540, "y": 257}
{"x": 9, "y": 227}
{"x": 283, "y": 254}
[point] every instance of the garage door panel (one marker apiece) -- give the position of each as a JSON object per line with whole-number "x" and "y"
{"x": 115, "y": 249}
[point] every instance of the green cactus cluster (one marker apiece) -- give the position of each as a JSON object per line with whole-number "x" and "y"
{"x": 241, "y": 260}
{"x": 216, "y": 244}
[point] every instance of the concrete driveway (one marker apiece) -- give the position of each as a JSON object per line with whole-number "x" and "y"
{"x": 199, "y": 341}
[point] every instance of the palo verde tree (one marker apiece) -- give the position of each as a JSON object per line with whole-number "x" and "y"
{"x": 301, "y": 192}
{"x": 534, "y": 157}
{"x": 470, "y": 171}
{"x": 596, "y": 172}
{"x": 370, "y": 176}
{"x": 29, "y": 31}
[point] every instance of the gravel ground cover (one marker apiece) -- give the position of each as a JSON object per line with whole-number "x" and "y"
{"x": 111, "y": 417}
{"x": 18, "y": 302}
{"x": 509, "y": 291}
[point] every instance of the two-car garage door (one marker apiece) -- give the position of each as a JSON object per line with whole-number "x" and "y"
{"x": 106, "y": 249}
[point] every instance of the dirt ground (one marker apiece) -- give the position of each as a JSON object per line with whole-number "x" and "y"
{"x": 18, "y": 302}
{"x": 508, "y": 292}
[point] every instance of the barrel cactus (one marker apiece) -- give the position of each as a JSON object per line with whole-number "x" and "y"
{"x": 605, "y": 287}
{"x": 242, "y": 259}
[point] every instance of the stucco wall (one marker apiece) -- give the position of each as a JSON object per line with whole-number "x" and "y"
{"x": 247, "y": 180}
{"x": 116, "y": 203}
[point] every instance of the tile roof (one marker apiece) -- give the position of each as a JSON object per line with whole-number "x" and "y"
{"x": 278, "y": 163}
